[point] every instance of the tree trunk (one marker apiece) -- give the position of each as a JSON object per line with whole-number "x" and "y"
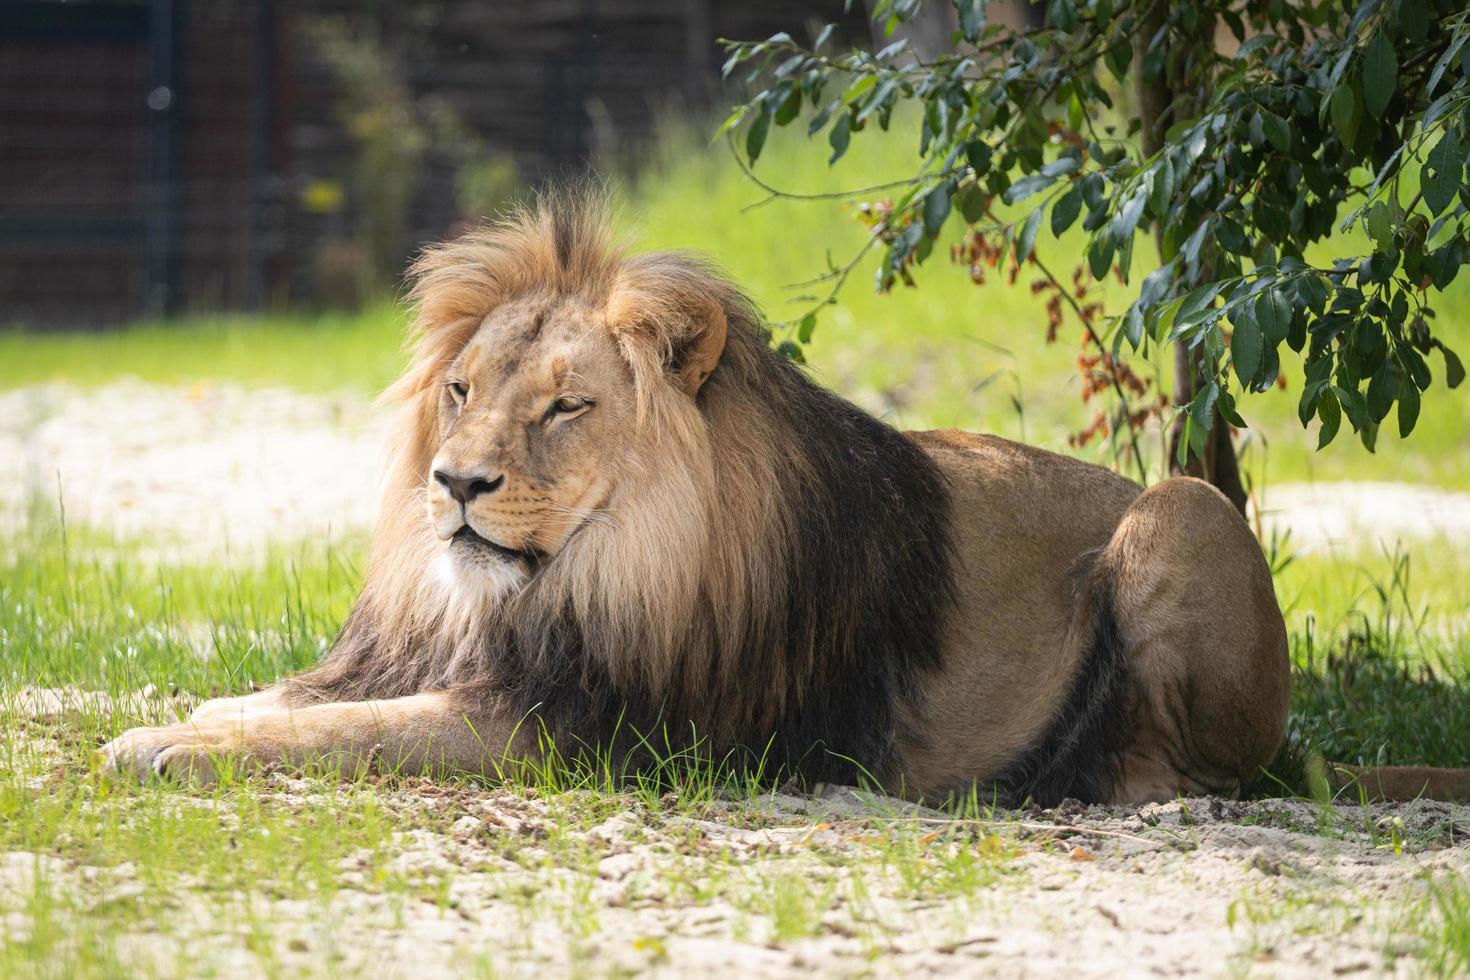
{"x": 1219, "y": 465}
{"x": 1161, "y": 100}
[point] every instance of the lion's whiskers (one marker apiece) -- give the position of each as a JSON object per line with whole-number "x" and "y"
{"x": 573, "y": 516}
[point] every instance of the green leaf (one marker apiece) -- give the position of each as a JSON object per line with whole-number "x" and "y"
{"x": 1125, "y": 259}
{"x": 1273, "y": 313}
{"x": 1380, "y": 74}
{"x": 1454, "y": 371}
{"x": 805, "y": 328}
{"x": 936, "y": 208}
{"x": 1163, "y": 324}
{"x": 1202, "y": 407}
{"x": 1330, "y": 412}
{"x": 1382, "y": 388}
{"x": 1369, "y": 435}
{"x": 1198, "y": 301}
{"x": 1408, "y": 407}
{"x": 1128, "y": 215}
{"x": 1027, "y": 241}
{"x": 978, "y": 154}
{"x": 1192, "y": 244}
{"x": 1347, "y": 112}
{"x": 1353, "y": 405}
{"x": 1197, "y": 434}
{"x": 1414, "y": 364}
{"x": 1133, "y": 324}
{"x": 755, "y": 136}
{"x": 820, "y": 119}
{"x": 1065, "y": 211}
{"x": 971, "y": 202}
{"x": 789, "y": 107}
{"x": 1027, "y": 186}
{"x": 1092, "y": 191}
{"x": 1245, "y": 346}
{"x": 840, "y": 136}
{"x": 1380, "y": 225}
{"x": 1313, "y": 292}
{"x": 1163, "y": 189}
{"x": 1060, "y": 167}
{"x": 1100, "y": 256}
{"x": 972, "y": 18}
{"x": 1414, "y": 20}
{"x": 791, "y": 350}
{"x": 1439, "y": 178}
{"x": 1181, "y": 455}
{"x": 1118, "y": 57}
{"x": 1231, "y": 237}
{"x": 1443, "y": 64}
{"x": 1226, "y": 407}
{"x": 1270, "y": 368}
{"x": 1062, "y": 14}
{"x": 1277, "y": 131}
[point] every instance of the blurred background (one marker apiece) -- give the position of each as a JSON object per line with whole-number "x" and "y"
{"x": 160, "y": 157}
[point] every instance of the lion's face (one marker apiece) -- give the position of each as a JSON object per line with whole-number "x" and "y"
{"x": 529, "y": 421}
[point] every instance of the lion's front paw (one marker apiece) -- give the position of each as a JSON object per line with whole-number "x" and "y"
{"x": 187, "y": 752}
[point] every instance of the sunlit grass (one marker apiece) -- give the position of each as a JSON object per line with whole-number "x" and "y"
{"x": 325, "y": 352}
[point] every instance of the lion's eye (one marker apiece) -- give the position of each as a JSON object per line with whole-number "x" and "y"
{"x": 458, "y": 390}
{"x": 567, "y": 405}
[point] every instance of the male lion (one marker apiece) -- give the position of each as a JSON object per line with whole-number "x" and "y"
{"x": 612, "y": 510}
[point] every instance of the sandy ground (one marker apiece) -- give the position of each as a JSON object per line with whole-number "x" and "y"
{"x": 838, "y": 883}
{"x": 212, "y": 468}
{"x": 217, "y": 468}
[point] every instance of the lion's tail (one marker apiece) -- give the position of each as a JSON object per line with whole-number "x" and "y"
{"x": 1402, "y": 782}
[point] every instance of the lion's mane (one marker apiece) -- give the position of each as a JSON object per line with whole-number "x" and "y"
{"x": 776, "y": 579}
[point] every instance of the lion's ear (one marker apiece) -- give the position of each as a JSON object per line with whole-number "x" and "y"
{"x": 694, "y": 360}
{"x": 676, "y": 308}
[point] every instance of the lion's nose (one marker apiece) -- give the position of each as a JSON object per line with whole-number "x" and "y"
{"x": 467, "y": 487}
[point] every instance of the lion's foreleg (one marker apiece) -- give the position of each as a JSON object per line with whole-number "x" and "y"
{"x": 244, "y": 706}
{"x": 422, "y": 733}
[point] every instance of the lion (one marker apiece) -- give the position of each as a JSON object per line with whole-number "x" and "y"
{"x": 614, "y": 518}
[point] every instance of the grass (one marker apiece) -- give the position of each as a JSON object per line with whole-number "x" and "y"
{"x": 1443, "y": 926}
{"x": 326, "y": 352}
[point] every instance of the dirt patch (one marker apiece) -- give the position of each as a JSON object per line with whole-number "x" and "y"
{"x": 1096, "y": 893}
{"x": 494, "y": 880}
{"x": 218, "y": 469}
{"x": 1323, "y": 515}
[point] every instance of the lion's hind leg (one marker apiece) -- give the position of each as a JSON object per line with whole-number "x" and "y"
{"x": 1209, "y": 678}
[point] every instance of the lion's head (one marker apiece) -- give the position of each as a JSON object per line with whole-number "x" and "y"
{"x": 609, "y": 495}
{"x": 537, "y": 418}
{"x": 552, "y": 374}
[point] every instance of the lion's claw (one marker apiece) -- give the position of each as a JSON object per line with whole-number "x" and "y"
{"x": 181, "y": 753}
